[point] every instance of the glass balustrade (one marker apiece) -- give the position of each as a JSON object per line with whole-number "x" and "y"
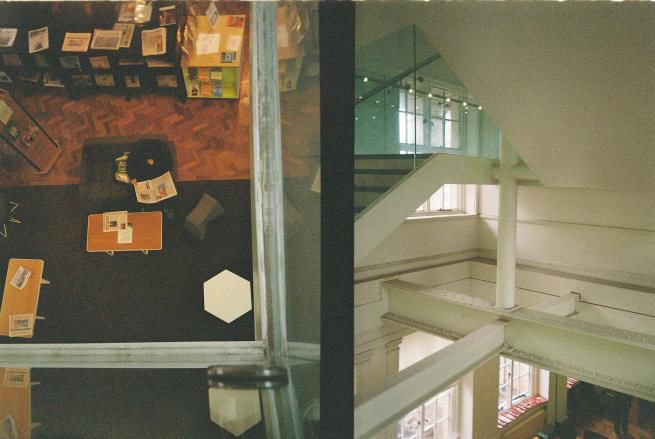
{"x": 409, "y": 105}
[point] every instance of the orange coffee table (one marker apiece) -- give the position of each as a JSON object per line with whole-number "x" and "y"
{"x": 25, "y": 301}
{"x": 146, "y": 234}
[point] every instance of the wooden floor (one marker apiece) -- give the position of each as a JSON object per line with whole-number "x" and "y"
{"x": 211, "y": 136}
{"x": 606, "y": 428}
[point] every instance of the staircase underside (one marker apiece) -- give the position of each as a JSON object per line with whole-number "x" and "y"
{"x": 388, "y": 211}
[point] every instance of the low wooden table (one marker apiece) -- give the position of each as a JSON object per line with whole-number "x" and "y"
{"x": 16, "y": 399}
{"x": 146, "y": 234}
{"x": 25, "y": 301}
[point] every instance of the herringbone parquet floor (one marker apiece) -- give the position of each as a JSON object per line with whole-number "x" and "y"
{"x": 212, "y": 137}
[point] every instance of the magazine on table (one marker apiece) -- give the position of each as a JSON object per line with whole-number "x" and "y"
{"x": 20, "y": 278}
{"x": 114, "y": 221}
{"x": 155, "y": 190}
{"x": 153, "y": 42}
{"x": 21, "y": 325}
{"x": 38, "y": 40}
{"x": 7, "y": 36}
{"x": 16, "y": 378}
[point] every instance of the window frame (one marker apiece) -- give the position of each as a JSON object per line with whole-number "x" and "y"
{"x": 438, "y": 90}
{"x": 452, "y": 393}
{"x": 510, "y": 399}
{"x": 427, "y": 212}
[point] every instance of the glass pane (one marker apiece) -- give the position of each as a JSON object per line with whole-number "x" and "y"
{"x": 131, "y": 296}
{"x": 412, "y": 423}
{"x": 122, "y": 403}
{"x": 443, "y": 429}
{"x": 516, "y": 369}
{"x": 504, "y": 374}
{"x": 524, "y": 385}
{"x": 453, "y": 109}
{"x": 443, "y": 408}
{"x": 430, "y": 413}
{"x": 299, "y": 106}
{"x": 516, "y": 388}
{"x": 437, "y": 200}
{"x": 452, "y": 134}
{"x": 437, "y": 132}
{"x": 154, "y": 403}
{"x": 503, "y": 397}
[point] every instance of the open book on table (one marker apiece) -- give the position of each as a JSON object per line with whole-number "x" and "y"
{"x": 155, "y": 190}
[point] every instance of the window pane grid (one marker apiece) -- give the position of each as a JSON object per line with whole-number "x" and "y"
{"x": 447, "y": 199}
{"x": 519, "y": 376}
{"x": 432, "y": 420}
{"x": 430, "y": 118}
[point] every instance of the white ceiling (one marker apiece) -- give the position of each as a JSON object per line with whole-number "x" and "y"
{"x": 570, "y": 85}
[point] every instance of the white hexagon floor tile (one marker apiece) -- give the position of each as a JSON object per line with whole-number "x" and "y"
{"x": 227, "y": 296}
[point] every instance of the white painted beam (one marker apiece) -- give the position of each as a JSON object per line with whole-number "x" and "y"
{"x": 614, "y": 358}
{"x": 375, "y": 223}
{"x": 167, "y": 355}
{"x": 563, "y": 306}
{"x": 394, "y": 397}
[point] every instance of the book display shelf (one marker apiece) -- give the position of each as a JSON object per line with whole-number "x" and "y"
{"x": 211, "y": 55}
{"x": 71, "y": 45}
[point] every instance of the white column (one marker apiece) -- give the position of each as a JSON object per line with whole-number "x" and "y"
{"x": 561, "y": 413}
{"x": 393, "y": 356}
{"x": 506, "y": 248}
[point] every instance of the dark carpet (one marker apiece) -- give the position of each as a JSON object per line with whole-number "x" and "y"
{"x": 125, "y": 404}
{"x": 130, "y": 297}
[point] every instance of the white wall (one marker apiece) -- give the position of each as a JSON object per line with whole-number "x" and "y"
{"x": 424, "y": 238}
{"x": 606, "y": 234}
{"x": 418, "y": 346}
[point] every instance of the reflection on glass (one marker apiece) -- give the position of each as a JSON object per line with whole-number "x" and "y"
{"x": 235, "y": 410}
{"x": 299, "y": 108}
{"x": 125, "y": 403}
{"x": 15, "y": 407}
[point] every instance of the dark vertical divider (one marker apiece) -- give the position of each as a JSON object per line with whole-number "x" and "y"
{"x": 337, "y": 58}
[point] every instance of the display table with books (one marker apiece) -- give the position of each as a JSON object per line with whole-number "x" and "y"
{"x": 20, "y": 297}
{"x": 211, "y": 56}
{"x": 142, "y": 232}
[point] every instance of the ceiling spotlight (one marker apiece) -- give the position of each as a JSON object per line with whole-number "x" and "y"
{"x": 480, "y": 107}
{"x": 429, "y": 95}
{"x": 359, "y": 97}
{"x": 357, "y": 118}
{"x": 411, "y": 90}
{"x": 464, "y": 104}
{"x": 447, "y": 99}
{"x": 365, "y": 78}
{"x": 377, "y": 102}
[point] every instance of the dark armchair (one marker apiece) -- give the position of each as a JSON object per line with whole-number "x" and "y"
{"x": 98, "y": 187}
